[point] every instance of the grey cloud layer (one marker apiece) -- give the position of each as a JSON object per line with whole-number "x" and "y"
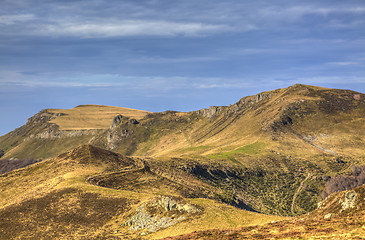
{"x": 100, "y": 19}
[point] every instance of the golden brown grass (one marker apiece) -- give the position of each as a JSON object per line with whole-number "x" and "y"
{"x": 216, "y": 216}
{"x": 53, "y": 197}
{"x": 92, "y": 116}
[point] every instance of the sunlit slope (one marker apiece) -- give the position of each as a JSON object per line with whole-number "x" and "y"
{"x": 294, "y": 121}
{"x": 340, "y": 216}
{"x": 56, "y": 199}
{"x": 91, "y": 116}
{"x": 300, "y": 120}
{"x": 53, "y": 131}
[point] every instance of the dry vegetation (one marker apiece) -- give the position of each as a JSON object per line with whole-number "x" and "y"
{"x": 273, "y": 153}
{"x": 54, "y": 199}
{"x": 92, "y": 116}
{"x": 330, "y": 221}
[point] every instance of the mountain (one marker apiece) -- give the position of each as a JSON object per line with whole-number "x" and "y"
{"x": 291, "y": 121}
{"x": 268, "y": 156}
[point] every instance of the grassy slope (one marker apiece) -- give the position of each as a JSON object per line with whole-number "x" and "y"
{"x": 330, "y": 221}
{"x": 92, "y": 116}
{"x": 264, "y": 139}
{"x": 53, "y": 199}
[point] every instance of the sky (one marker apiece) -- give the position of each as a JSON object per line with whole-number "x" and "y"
{"x": 182, "y": 55}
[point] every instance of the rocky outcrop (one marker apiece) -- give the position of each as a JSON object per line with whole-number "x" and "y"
{"x": 160, "y": 213}
{"x": 52, "y": 132}
{"x": 116, "y": 121}
{"x": 248, "y": 102}
{"x": 119, "y": 130}
{"x": 211, "y": 111}
{"x": 114, "y": 137}
{"x": 341, "y": 204}
{"x": 349, "y": 200}
{"x": 40, "y": 127}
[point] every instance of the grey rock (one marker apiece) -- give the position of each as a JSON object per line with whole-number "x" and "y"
{"x": 116, "y": 121}
{"x": 152, "y": 223}
{"x": 133, "y": 121}
{"x": 350, "y": 200}
{"x": 211, "y": 111}
{"x": 167, "y": 203}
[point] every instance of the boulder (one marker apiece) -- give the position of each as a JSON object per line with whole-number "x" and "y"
{"x": 350, "y": 200}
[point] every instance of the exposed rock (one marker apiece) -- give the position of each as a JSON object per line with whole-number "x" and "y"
{"x": 350, "y": 200}
{"x": 115, "y": 135}
{"x": 170, "y": 204}
{"x": 211, "y": 111}
{"x": 52, "y": 132}
{"x": 251, "y": 100}
{"x": 116, "y": 121}
{"x": 328, "y": 216}
{"x": 133, "y": 121}
{"x": 41, "y": 117}
{"x": 159, "y": 214}
{"x": 357, "y": 96}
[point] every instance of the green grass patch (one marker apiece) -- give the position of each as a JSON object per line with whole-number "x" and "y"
{"x": 251, "y": 149}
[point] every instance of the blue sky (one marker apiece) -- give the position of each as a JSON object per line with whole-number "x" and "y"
{"x": 171, "y": 55}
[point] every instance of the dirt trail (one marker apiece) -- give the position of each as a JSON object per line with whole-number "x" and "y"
{"x": 298, "y": 191}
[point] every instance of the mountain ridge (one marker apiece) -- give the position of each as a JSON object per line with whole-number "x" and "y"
{"x": 268, "y": 136}
{"x": 153, "y": 175}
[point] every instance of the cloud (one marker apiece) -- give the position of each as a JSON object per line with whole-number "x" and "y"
{"x": 322, "y": 80}
{"x": 20, "y": 81}
{"x": 129, "y": 28}
{"x": 17, "y": 18}
{"x": 343, "y": 63}
{"x": 161, "y": 60}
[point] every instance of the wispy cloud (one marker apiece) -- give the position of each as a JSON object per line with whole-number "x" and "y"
{"x": 20, "y": 81}
{"x": 11, "y": 80}
{"x": 16, "y": 18}
{"x": 342, "y": 63}
{"x": 129, "y": 28}
{"x": 161, "y": 60}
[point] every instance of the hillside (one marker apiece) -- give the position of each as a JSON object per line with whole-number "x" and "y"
{"x": 87, "y": 117}
{"x": 339, "y": 216}
{"x": 276, "y": 152}
{"x": 62, "y": 198}
{"x": 291, "y": 121}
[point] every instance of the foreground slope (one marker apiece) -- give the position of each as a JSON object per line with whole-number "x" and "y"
{"x": 340, "y": 216}
{"x": 73, "y": 196}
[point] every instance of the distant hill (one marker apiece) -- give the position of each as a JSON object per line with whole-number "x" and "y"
{"x": 297, "y": 120}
